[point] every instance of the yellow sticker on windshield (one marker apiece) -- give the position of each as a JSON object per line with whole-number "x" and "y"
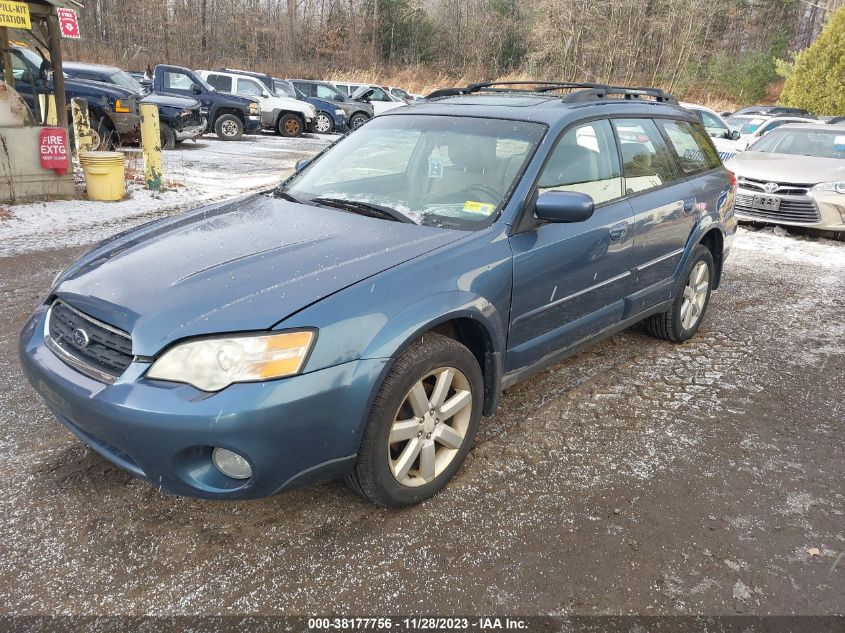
{"x": 484, "y": 208}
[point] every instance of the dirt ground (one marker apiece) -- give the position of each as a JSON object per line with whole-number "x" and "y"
{"x": 638, "y": 477}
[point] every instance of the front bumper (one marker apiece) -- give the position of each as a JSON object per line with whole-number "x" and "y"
{"x": 192, "y": 131}
{"x": 126, "y": 124}
{"x": 816, "y": 210}
{"x": 252, "y": 124}
{"x": 292, "y": 431}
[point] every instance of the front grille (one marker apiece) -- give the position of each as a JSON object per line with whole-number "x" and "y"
{"x": 87, "y": 344}
{"x": 798, "y": 209}
{"x": 784, "y": 188}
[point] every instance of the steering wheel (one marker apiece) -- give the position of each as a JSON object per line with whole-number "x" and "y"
{"x": 493, "y": 196}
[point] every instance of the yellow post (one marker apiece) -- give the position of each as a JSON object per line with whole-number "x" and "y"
{"x": 151, "y": 146}
{"x": 81, "y": 125}
{"x": 48, "y": 108}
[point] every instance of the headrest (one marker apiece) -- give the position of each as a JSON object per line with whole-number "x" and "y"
{"x": 473, "y": 152}
{"x": 570, "y": 164}
{"x": 636, "y": 155}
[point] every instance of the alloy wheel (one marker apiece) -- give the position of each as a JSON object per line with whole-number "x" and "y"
{"x": 430, "y": 426}
{"x": 229, "y": 128}
{"x": 324, "y": 124}
{"x": 695, "y": 295}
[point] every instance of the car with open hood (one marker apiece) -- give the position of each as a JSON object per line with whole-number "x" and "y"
{"x": 358, "y": 321}
{"x": 795, "y": 175}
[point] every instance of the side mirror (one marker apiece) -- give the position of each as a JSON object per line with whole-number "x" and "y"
{"x": 734, "y": 135}
{"x": 301, "y": 164}
{"x": 564, "y": 206}
{"x": 339, "y": 98}
{"x": 196, "y": 89}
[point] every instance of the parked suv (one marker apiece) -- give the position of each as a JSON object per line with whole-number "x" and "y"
{"x": 180, "y": 118}
{"x": 113, "y": 109}
{"x": 330, "y": 116}
{"x": 289, "y": 117}
{"x": 360, "y": 321}
{"x": 229, "y": 116}
{"x": 357, "y": 112}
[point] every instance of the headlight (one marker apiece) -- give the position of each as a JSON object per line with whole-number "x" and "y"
{"x": 213, "y": 364}
{"x": 838, "y": 186}
{"x": 254, "y": 108}
{"x": 119, "y": 106}
{"x": 339, "y": 112}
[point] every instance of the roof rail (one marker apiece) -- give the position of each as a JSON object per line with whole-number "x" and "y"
{"x": 576, "y": 91}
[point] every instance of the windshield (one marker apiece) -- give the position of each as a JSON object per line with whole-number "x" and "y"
{"x": 453, "y": 172}
{"x": 803, "y": 142}
{"x": 745, "y": 125}
{"x": 125, "y": 80}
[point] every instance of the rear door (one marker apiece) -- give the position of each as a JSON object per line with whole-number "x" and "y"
{"x": 570, "y": 280}
{"x": 663, "y": 203}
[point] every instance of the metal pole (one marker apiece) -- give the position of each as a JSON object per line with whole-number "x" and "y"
{"x": 55, "y": 42}
{"x": 151, "y": 146}
{"x": 9, "y": 77}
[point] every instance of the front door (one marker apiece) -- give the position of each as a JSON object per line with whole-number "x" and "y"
{"x": 570, "y": 280}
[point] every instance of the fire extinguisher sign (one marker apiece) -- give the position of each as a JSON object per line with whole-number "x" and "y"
{"x": 68, "y": 23}
{"x": 53, "y": 149}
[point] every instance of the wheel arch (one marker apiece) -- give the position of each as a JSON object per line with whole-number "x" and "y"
{"x": 714, "y": 241}
{"x": 476, "y": 325}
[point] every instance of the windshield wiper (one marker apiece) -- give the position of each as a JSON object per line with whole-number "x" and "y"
{"x": 284, "y": 195}
{"x": 364, "y": 208}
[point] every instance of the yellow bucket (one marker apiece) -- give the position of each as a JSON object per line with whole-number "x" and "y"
{"x": 104, "y": 174}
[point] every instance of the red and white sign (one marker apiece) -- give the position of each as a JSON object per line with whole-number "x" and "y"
{"x": 53, "y": 149}
{"x": 68, "y": 23}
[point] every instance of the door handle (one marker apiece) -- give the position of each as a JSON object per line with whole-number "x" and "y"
{"x": 618, "y": 231}
{"x": 689, "y": 206}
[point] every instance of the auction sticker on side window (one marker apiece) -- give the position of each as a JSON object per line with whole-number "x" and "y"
{"x": 484, "y": 208}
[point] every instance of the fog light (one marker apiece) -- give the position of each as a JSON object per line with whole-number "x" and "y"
{"x": 231, "y": 464}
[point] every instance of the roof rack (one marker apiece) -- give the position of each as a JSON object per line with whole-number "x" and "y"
{"x": 576, "y": 91}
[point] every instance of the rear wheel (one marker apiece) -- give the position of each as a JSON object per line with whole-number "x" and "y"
{"x": 324, "y": 123}
{"x": 682, "y": 320}
{"x": 422, "y": 424}
{"x": 228, "y": 127}
{"x": 290, "y": 125}
{"x": 357, "y": 120}
{"x": 103, "y": 138}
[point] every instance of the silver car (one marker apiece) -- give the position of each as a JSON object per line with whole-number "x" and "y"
{"x": 795, "y": 175}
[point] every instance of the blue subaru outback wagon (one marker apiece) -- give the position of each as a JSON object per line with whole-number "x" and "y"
{"x": 358, "y": 321}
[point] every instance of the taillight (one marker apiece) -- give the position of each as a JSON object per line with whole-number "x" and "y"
{"x": 732, "y": 177}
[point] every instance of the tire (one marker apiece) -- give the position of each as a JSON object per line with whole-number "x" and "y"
{"x": 228, "y": 127}
{"x": 105, "y": 139}
{"x": 682, "y": 320}
{"x": 290, "y": 126}
{"x": 384, "y": 472}
{"x": 323, "y": 124}
{"x": 168, "y": 137}
{"x": 357, "y": 120}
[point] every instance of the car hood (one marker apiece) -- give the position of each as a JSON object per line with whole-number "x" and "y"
{"x": 786, "y": 167}
{"x": 100, "y": 86}
{"x": 185, "y": 103}
{"x": 237, "y": 266}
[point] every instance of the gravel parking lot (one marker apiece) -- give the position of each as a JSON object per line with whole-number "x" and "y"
{"x": 638, "y": 477}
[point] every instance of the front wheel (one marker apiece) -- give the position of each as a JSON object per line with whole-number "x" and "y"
{"x": 168, "y": 137}
{"x": 323, "y": 124}
{"x": 228, "y": 127}
{"x": 680, "y": 322}
{"x": 422, "y": 424}
{"x": 357, "y": 120}
{"x": 289, "y": 125}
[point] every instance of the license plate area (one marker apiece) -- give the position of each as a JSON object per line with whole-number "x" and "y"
{"x": 766, "y": 203}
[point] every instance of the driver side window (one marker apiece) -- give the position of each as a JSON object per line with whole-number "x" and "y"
{"x": 585, "y": 160}
{"x": 177, "y": 81}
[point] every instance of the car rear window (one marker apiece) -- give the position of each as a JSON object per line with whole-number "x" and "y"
{"x": 646, "y": 160}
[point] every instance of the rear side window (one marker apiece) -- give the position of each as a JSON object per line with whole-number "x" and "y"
{"x": 585, "y": 160}
{"x": 647, "y": 162}
{"x": 686, "y": 148}
{"x": 220, "y": 82}
{"x": 249, "y": 88}
{"x": 304, "y": 88}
